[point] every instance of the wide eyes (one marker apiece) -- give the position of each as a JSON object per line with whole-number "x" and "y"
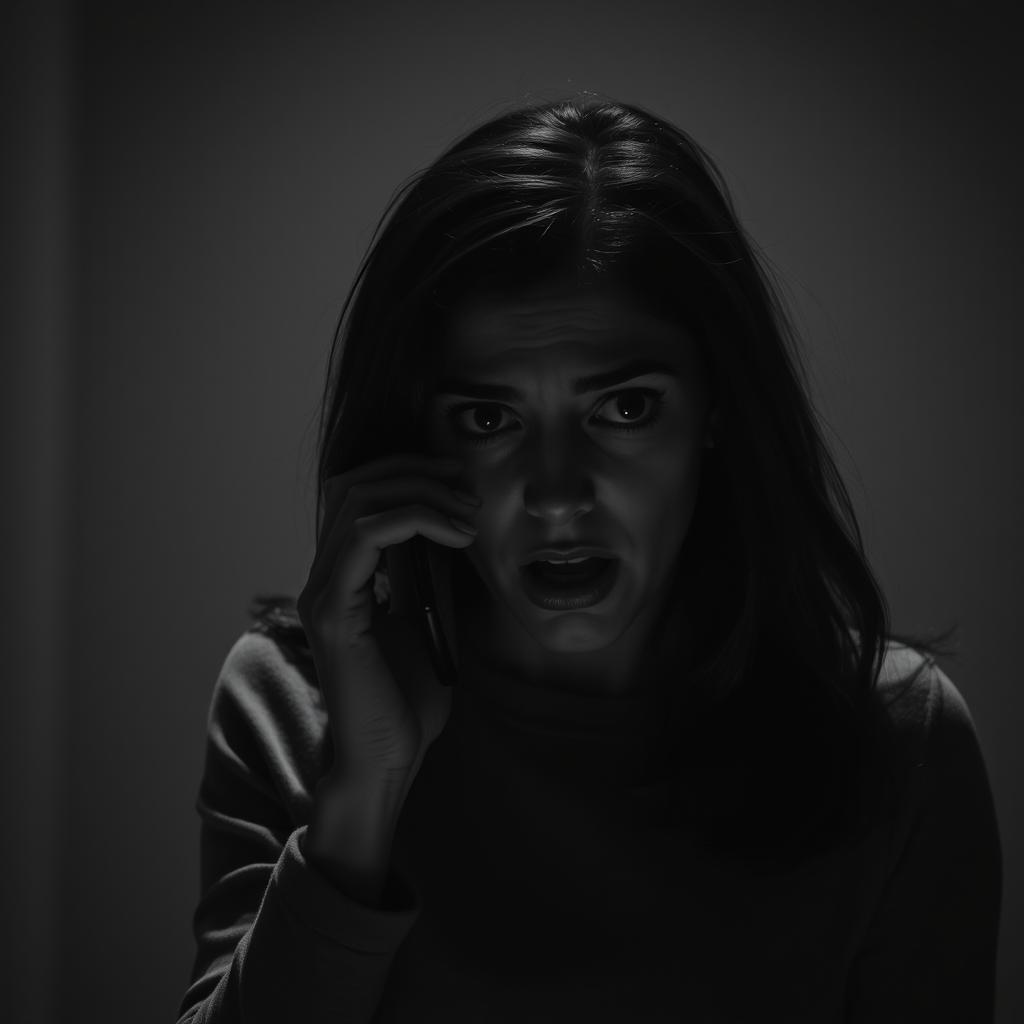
{"x": 627, "y": 410}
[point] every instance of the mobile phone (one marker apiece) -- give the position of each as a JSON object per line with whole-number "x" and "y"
{"x": 419, "y": 578}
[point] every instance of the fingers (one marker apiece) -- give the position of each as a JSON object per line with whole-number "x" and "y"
{"x": 361, "y": 546}
{"x": 336, "y": 487}
{"x": 357, "y": 541}
{"x": 387, "y": 483}
{"x": 369, "y": 510}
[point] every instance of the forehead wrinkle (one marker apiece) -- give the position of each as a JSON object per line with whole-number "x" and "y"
{"x": 584, "y": 315}
{"x": 528, "y": 361}
{"x": 510, "y": 330}
{"x": 587, "y": 308}
{"x": 534, "y": 335}
{"x": 538, "y": 325}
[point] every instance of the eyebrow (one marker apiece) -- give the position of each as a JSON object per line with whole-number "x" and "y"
{"x": 581, "y": 386}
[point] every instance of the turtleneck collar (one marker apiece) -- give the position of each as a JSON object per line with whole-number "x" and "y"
{"x": 618, "y": 738}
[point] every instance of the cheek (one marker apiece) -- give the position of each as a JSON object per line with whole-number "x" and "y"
{"x": 687, "y": 486}
{"x": 668, "y": 485}
{"x": 661, "y": 520}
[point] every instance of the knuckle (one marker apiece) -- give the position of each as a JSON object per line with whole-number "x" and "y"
{"x": 361, "y": 528}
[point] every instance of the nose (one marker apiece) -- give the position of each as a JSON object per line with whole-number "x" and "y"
{"x": 559, "y": 486}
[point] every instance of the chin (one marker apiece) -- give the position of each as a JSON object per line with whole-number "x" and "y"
{"x": 576, "y": 638}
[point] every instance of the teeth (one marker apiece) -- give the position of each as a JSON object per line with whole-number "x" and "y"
{"x": 566, "y": 561}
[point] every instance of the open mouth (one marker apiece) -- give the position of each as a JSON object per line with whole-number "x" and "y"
{"x": 568, "y": 574}
{"x": 561, "y": 586}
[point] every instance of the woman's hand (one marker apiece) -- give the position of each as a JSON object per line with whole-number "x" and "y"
{"x": 384, "y": 704}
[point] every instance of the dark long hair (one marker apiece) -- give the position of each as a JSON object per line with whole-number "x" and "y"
{"x": 782, "y": 751}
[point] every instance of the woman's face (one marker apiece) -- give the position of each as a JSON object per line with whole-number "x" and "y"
{"x": 554, "y": 459}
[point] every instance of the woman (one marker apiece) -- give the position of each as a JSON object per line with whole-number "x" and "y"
{"x": 692, "y": 776}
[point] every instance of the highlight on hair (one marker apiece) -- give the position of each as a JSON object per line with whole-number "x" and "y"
{"x": 782, "y": 751}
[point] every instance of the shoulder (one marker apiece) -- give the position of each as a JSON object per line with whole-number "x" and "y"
{"x": 950, "y": 795}
{"x": 930, "y": 946}
{"x": 923, "y": 704}
{"x": 262, "y": 674}
{"x": 266, "y": 708}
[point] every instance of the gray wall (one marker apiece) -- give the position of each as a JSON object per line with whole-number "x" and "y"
{"x": 228, "y": 168}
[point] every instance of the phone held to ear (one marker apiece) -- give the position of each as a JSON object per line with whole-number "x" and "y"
{"x": 419, "y": 579}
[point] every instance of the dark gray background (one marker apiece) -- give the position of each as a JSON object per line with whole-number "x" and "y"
{"x": 189, "y": 190}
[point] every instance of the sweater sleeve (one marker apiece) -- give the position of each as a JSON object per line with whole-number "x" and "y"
{"x": 929, "y": 953}
{"x": 276, "y": 941}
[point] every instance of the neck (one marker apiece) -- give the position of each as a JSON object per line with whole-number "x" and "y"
{"x": 631, "y": 665}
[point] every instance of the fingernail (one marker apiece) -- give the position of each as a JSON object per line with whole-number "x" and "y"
{"x": 469, "y": 499}
{"x": 463, "y": 526}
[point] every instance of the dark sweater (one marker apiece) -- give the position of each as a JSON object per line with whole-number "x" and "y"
{"x": 536, "y": 875}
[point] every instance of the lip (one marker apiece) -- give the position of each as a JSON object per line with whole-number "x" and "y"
{"x": 570, "y": 599}
{"x": 561, "y": 553}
